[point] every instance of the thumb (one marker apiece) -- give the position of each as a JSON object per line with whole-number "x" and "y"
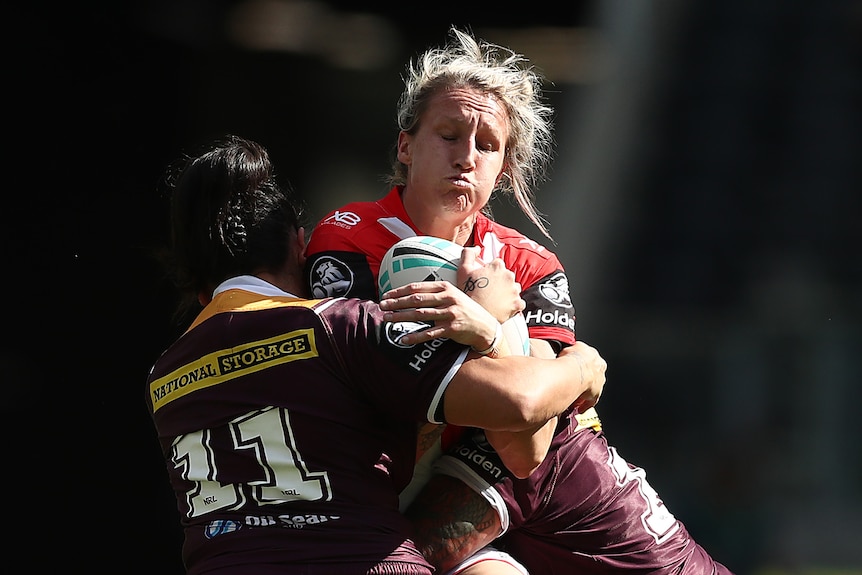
{"x": 469, "y": 257}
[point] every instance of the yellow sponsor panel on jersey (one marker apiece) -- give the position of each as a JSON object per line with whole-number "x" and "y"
{"x": 227, "y": 364}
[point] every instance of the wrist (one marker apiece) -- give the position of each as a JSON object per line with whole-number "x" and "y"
{"x": 491, "y": 350}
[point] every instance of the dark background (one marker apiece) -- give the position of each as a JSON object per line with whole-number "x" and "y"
{"x": 705, "y": 200}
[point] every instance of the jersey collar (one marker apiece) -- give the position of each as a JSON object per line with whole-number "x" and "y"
{"x": 253, "y": 284}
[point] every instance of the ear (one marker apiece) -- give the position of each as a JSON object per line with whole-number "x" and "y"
{"x": 502, "y": 173}
{"x": 204, "y": 299}
{"x": 301, "y": 246}
{"x": 403, "y": 151}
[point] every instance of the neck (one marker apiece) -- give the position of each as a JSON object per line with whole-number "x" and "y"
{"x": 445, "y": 225}
{"x": 285, "y": 281}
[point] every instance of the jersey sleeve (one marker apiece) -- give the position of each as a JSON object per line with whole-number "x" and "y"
{"x": 345, "y": 249}
{"x": 338, "y": 273}
{"x": 549, "y": 311}
{"x": 487, "y": 553}
{"x": 336, "y": 265}
{"x": 473, "y": 461}
{"x": 399, "y": 379}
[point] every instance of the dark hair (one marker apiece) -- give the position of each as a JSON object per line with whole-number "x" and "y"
{"x": 229, "y": 216}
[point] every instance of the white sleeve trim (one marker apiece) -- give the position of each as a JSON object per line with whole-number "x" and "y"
{"x": 438, "y": 396}
{"x": 450, "y": 466}
{"x": 488, "y": 553}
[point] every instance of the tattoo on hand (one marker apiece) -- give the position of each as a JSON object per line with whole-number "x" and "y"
{"x": 472, "y": 284}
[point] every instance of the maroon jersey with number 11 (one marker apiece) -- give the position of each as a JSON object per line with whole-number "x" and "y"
{"x": 289, "y": 427}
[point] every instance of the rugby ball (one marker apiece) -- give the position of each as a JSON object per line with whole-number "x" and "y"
{"x": 426, "y": 258}
{"x": 418, "y": 259}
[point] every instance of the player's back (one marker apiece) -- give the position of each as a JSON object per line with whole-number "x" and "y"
{"x": 282, "y": 438}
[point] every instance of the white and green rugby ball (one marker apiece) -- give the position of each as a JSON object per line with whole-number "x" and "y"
{"x": 425, "y": 258}
{"x": 418, "y": 259}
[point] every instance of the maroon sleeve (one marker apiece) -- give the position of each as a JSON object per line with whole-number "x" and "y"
{"x": 584, "y": 510}
{"x": 404, "y": 380}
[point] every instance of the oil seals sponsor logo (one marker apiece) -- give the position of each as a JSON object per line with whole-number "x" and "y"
{"x": 219, "y": 527}
{"x": 289, "y": 521}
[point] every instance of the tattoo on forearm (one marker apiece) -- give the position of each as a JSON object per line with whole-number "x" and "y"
{"x": 428, "y": 434}
{"x": 451, "y": 521}
{"x": 472, "y": 284}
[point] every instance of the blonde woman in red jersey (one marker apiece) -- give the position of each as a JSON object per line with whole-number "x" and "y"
{"x": 472, "y": 123}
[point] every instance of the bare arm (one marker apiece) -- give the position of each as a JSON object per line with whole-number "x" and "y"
{"x": 517, "y": 393}
{"x": 451, "y": 522}
{"x": 523, "y": 451}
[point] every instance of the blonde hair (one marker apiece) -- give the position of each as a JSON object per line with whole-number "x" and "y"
{"x": 492, "y": 69}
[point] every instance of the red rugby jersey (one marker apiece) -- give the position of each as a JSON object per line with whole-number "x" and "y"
{"x": 346, "y": 248}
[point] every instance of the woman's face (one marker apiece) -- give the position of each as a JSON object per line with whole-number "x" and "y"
{"x": 454, "y": 158}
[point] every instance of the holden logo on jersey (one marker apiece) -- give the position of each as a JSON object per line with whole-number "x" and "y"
{"x": 481, "y": 442}
{"x": 343, "y": 219}
{"x": 330, "y": 278}
{"x": 556, "y": 290}
{"x": 396, "y": 331}
{"x": 542, "y": 317}
{"x": 478, "y": 451}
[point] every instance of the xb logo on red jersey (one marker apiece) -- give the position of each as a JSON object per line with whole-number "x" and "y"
{"x": 346, "y": 219}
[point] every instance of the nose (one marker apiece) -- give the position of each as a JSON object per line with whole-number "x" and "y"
{"x": 465, "y": 155}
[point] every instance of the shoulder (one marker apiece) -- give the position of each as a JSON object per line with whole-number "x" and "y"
{"x": 378, "y": 223}
{"x": 530, "y": 260}
{"x": 490, "y": 233}
{"x": 346, "y": 220}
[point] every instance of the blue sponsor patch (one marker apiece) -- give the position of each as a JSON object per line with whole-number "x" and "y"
{"x": 221, "y": 527}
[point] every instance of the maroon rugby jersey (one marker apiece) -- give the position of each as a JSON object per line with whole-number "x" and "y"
{"x": 289, "y": 427}
{"x": 346, "y": 247}
{"x": 570, "y": 516}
